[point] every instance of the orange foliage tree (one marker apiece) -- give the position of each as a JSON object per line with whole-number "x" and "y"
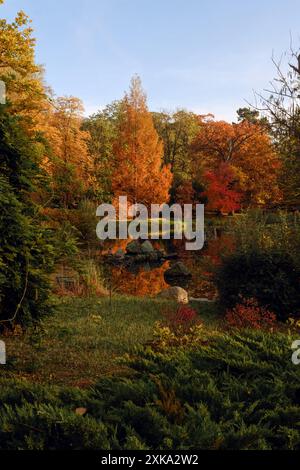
{"x": 25, "y": 90}
{"x": 139, "y": 171}
{"x": 247, "y": 149}
{"x": 68, "y": 162}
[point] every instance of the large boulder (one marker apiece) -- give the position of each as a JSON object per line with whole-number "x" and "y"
{"x": 134, "y": 248}
{"x": 178, "y": 271}
{"x": 175, "y": 293}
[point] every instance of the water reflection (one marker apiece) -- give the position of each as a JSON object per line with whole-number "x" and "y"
{"x": 147, "y": 279}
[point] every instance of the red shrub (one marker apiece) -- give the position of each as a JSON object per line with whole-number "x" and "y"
{"x": 182, "y": 319}
{"x": 249, "y": 314}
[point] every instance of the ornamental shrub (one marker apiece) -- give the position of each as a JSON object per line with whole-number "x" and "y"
{"x": 269, "y": 276}
{"x": 181, "y": 319}
{"x": 248, "y": 314}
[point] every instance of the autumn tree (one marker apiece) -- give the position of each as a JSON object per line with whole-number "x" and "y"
{"x": 177, "y": 130}
{"x": 247, "y": 149}
{"x": 102, "y": 128}
{"x": 221, "y": 193}
{"x": 138, "y": 151}
{"x": 25, "y": 90}
{"x": 68, "y": 162}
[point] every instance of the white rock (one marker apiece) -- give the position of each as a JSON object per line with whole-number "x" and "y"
{"x": 175, "y": 293}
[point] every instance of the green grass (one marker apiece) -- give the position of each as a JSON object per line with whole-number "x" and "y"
{"x": 83, "y": 340}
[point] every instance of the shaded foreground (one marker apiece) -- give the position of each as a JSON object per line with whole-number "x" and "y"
{"x": 82, "y": 340}
{"x": 210, "y": 390}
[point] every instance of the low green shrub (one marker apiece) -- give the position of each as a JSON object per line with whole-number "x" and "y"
{"x": 224, "y": 391}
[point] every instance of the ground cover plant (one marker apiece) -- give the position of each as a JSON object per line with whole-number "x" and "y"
{"x": 236, "y": 390}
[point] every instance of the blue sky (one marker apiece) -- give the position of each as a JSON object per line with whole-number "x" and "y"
{"x": 206, "y": 56}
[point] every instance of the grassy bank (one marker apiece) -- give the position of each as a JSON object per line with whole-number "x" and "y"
{"x": 83, "y": 340}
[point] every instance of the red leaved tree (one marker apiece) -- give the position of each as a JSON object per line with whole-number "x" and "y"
{"x": 220, "y": 193}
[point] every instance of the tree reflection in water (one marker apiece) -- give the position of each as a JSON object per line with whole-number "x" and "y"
{"x": 147, "y": 279}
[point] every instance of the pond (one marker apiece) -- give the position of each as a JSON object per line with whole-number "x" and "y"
{"x": 148, "y": 278}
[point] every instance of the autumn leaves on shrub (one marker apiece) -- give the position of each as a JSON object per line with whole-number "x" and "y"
{"x": 248, "y": 314}
{"x": 184, "y": 321}
{"x": 181, "y": 319}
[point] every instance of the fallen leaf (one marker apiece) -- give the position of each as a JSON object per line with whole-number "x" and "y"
{"x": 80, "y": 411}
